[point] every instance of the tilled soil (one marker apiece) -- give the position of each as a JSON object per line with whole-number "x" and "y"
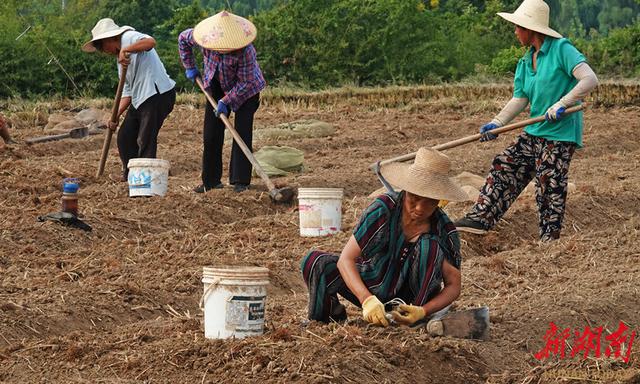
{"x": 120, "y": 303}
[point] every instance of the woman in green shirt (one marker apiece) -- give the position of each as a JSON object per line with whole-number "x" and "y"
{"x": 552, "y": 76}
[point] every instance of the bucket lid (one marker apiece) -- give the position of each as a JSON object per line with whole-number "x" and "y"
{"x": 148, "y": 162}
{"x": 236, "y": 272}
{"x": 320, "y": 193}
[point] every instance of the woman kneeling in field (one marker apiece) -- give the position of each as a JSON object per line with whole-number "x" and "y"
{"x": 404, "y": 247}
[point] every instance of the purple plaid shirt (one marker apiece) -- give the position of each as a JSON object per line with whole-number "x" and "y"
{"x": 238, "y": 71}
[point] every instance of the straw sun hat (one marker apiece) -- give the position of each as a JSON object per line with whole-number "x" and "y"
{"x": 224, "y": 32}
{"x": 104, "y": 29}
{"x": 428, "y": 176}
{"x": 533, "y": 15}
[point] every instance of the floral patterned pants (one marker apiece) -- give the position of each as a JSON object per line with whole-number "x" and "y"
{"x": 529, "y": 157}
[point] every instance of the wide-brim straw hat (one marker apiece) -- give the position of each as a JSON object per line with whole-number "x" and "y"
{"x": 104, "y": 29}
{"x": 428, "y": 176}
{"x": 224, "y": 32}
{"x": 533, "y": 15}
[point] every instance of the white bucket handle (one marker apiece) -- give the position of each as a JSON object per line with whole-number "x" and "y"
{"x": 206, "y": 293}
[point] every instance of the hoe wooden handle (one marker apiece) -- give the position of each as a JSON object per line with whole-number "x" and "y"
{"x": 476, "y": 137}
{"x": 114, "y": 119}
{"x": 278, "y": 195}
{"x": 238, "y": 139}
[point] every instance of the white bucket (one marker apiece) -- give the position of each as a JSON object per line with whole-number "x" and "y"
{"x": 148, "y": 177}
{"x": 320, "y": 211}
{"x": 234, "y": 301}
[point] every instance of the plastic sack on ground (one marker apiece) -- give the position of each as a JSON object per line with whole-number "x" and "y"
{"x": 279, "y": 161}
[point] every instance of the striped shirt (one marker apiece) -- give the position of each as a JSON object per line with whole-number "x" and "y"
{"x": 238, "y": 71}
{"x": 389, "y": 265}
{"x": 388, "y": 261}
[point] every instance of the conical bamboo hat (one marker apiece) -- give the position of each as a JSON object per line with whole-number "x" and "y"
{"x": 224, "y": 32}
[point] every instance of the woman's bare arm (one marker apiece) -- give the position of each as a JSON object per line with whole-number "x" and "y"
{"x": 349, "y": 272}
{"x": 452, "y": 287}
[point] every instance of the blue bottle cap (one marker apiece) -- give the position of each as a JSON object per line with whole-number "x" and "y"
{"x": 70, "y": 185}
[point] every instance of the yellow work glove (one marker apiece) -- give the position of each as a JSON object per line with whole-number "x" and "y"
{"x": 408, "y": 314}
{"x": 373, "y": 311}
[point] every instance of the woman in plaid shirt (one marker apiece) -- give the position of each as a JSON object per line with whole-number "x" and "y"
{"x": 233, "y": 77}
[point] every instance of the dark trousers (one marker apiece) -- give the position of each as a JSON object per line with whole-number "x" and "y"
{"x": 213, "y": 137}
{"x": 138, "y": 135}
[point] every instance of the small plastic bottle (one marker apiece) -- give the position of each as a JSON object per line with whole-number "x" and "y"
{"x": 70, "y": 196}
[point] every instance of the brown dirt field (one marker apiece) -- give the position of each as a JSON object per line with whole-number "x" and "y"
{"x": 120, "y": 304}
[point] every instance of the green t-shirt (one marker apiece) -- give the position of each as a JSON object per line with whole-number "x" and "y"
{"x": 552, "y": 80}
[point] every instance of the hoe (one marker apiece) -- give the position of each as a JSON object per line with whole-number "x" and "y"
{"x": 278, "y": 195}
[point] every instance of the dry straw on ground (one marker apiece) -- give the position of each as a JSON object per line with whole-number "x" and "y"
{"x": 120, "y": 304}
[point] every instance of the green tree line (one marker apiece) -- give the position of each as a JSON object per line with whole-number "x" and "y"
{"x": 309, "y": 43}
